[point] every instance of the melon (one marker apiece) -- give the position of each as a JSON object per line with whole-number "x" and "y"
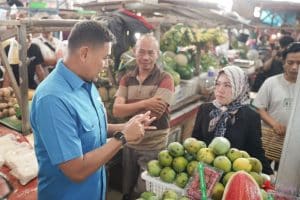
{"x": 242, "y": 186}
{"x": 181, "y": 60}
{"x": 220, "y": 145}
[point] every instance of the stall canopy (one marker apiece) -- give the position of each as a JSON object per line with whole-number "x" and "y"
{"x": 278, "y": 13}
{"x": 278, "y": 19}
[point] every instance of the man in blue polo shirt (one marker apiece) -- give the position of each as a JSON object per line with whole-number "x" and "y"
{"x": 69, "y": 121}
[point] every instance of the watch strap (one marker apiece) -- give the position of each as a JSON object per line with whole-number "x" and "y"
{"x": 121, "y": 137}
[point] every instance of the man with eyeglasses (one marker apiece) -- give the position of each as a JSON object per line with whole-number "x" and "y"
{"x": 145, "y": 88}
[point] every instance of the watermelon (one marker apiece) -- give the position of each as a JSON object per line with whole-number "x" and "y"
{"x": 242, "y": 186}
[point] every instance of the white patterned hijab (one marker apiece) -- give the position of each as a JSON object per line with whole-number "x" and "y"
{"x": 240, "y": 88}
{"x": 239, "y": 83}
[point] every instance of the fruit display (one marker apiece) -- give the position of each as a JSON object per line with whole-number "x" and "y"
{"x": 178, "y": 162}
{"x": 107, "y": 93}
{"x": 208, "y": 60}
{"x": 216, "y": 36}
{"x": 180, "y": 66}
{"x": 178, "y": 35}
{"x": 167, "y": 195}
{"x": 7, "y": 102}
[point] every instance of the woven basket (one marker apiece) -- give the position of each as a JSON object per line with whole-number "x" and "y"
{"x": 272, "y": 143}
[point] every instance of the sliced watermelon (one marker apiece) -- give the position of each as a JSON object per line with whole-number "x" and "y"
{"x": 241, "y": 186}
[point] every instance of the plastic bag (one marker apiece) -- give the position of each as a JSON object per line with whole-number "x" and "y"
{"x": 5, "y": 187}
{"x": 274, "y": 195}
{"x": 212, "y": 176}
{"x": 26, "y": 173}
{"x": 13, "y": 53}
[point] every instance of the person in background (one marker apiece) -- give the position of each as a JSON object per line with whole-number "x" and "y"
{"x": 275, "y": 98}
{"x": 2, "y": 72}
{"x": 34, "y": 68}
{"x": 70, "y": 125}
{"x": 15, "y": 2}
{"x": 48, "y": 45}
{"x": 230, "y": 116}
{"x": 147, "y": 87}
{"x": 274, "y": 64}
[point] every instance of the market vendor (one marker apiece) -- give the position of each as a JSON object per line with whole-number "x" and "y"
{"x": 146, "y": 87}
{"x": 230, "y": 116}
{"x": 69, "y": 121}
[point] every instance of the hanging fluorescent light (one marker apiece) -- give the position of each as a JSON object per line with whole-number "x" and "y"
{"x": 137, "y": 35}
{"x": 157, "y": 14}
{"x": 256, "y": 12}
{"x": 278, "y": 35}
{"x": 273, "y": 37}
{"x": 287, "y": 1}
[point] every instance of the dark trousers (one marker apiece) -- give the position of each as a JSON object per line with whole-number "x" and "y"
{"x": 134, "y": 163}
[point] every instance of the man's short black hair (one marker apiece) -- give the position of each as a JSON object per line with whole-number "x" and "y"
{"x": 89, "y": 33}
{"x": 285, "y": 40}
{"x": 292, "y": 48}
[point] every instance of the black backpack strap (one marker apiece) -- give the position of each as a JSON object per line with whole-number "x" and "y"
{"x": 48, "y": 45}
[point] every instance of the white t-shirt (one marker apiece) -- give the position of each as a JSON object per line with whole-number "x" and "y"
{"x": 276, "y": 95}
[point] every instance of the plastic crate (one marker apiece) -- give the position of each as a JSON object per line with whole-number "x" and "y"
{"x": 154, "y": 184}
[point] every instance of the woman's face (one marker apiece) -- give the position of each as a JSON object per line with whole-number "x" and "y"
{"x": 223, "y": 90}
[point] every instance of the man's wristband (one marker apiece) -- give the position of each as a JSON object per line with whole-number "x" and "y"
{"x": 120, "y": 136}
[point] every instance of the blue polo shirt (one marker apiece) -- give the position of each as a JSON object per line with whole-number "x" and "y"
{"x": 68, "y": 120}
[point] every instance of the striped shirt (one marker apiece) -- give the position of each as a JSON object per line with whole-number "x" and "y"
{"x": 158, "y": 83}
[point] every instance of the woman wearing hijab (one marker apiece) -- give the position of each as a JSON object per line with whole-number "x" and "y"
{"x": 230, "y": 116}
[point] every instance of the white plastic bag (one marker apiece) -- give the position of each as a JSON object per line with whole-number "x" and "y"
{"x": 13, "y": 53}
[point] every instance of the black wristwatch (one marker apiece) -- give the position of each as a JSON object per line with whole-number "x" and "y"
{"x": 121, "y": 137}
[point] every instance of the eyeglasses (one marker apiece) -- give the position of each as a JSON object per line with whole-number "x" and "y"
{"x": 5, "y": 188}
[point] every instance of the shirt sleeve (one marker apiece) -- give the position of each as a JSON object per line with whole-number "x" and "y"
{"x": 123, "y": 89}
{"x": 166, "y": 89}
{"x": 262, "y": 98}
{"x": 35, "y": 51}
{"x": 57, "y": 129}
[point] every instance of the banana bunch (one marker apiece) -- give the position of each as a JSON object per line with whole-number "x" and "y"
{"x": 215, "y": 35}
